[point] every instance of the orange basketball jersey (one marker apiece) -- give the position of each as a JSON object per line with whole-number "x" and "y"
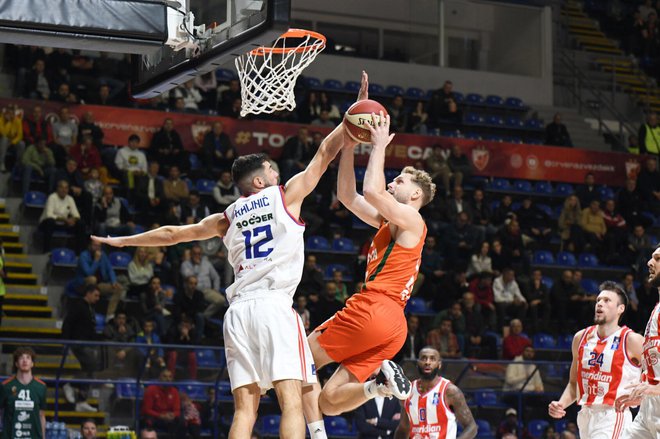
{"x": 392, "y": 269}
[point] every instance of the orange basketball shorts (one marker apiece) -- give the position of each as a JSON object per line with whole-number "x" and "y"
{"x": 370, "y": 329}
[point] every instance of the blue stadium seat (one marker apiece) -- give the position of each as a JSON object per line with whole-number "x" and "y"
{"x": 534, "y": 124}
{"x": 495, "y": 204}
{"x": 544, "y": 341}
{"x": 500, "y": 184}
{"x": 63, "y": 257}
{"x": 458, "y": 97}
{"x": 225, "y": 75}
{"x": 337, "y": 426}
{"x": 557, "y": 370}
{"x": 563, "y": 189}
{"x": 543, "y": 187}
{"x": 100, "y": 322}
{"x": 205, "y": 186}
{"x": 343, "y": 245}
{"x": 128, "y": 390}
{"x": 560, "y": 425}
{"x": 487, "y": 398}
{"x": 472, "y": 136}
{"x": 545, "y": 209}
{"x": 376, "y": 90}
{"x": 548, "y": 282}
{"x": 415, "y": 93}
{"x": 358, "y": 224}
{"x": 494, "y": 121}
{"x": 483, "y": 429}
{"x": 523, "y": 186}
{"x": 332, "y": 84}
{"x": 35, "y": 199}
{"x": 494, "y": 100}
{"x": 317, "y": 243}
{"x": 516, "y": 205}
{"x": 208, "y": 358}
{"x": 418, "y": 306}
{"x": 224, "y": 391}
{"x": 195, "y": 163}
{"x": 514, "y": 122}
{"x": 331, "y": 268}
{"x": 536, "y": 427}
{"x": 189, "y": 182}
{"x": 270, "y": 425}
{"x": 474, "y": 99}
{"x": 590, "y": 286}
{"x": 473, "y": 119}
{"x": 543, "y": 257}
{"x": 606, "y": 193}
{"x": 391, "y": 174}
{"x": 514, "y": 102}
{"x": 352, "y": 86}
{"x": 394, "y": 90}
{"x": 312, "y": 82}
{"x": 566, "y": 259}
{"x": 119, "y": 260}
{"x": 587, "y": 260}
{"x": 194, "y": 389}
{"x": 359, "y": 173}
{"x": 565, "y": 341}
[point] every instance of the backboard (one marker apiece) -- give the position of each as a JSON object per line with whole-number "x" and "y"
{"x": 237, "y": 27}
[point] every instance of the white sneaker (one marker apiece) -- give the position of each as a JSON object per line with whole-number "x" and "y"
{"x": 69, "y": 393}
{"x": 395, "y": 380}
{"x": 84, "y": 407}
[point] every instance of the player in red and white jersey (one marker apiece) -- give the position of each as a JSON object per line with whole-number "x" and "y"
{"x": 646, "y": 394}
{"x": 435, "y": 404}
{"x": 606, "y": 360}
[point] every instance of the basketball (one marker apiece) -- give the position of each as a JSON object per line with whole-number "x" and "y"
{"x": 358, "y": 115}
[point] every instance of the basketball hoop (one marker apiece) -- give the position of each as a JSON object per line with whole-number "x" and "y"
{"x": 268, "y": 74}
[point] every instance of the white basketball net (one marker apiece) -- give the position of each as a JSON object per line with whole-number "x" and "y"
{"x": 268, "y": 75}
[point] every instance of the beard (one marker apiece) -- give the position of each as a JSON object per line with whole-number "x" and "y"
{"x": 599, "y": 320}
{"x": 428, "y": 376}
{"x": 655, "y": 280}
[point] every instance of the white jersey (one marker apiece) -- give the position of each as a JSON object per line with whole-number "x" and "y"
{"x": 430, "y": 416}
{"x": 604, "y": 369}
{"x": 650, "y": 351}
{"x": 265, "y": 246}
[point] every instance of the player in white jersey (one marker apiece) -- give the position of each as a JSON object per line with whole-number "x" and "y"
{"x": 435, "y": 404}
{"x": 647, "y": 392}
{"x": 264, "y": 337}
{"x": 606, "y": 359}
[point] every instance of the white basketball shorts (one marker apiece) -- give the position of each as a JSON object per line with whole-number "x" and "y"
{"x": 647, "y": 422}
{"x": 602, "y": 422}
{"x": 265, "y": 341}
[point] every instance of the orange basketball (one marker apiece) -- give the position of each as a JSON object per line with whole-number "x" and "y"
{"x": 358, "y": 115}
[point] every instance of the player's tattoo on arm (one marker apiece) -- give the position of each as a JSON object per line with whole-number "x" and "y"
{"x": 456, "y": 401}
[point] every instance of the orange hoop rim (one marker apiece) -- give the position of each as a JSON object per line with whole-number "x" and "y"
{"x": 292, "y": 33}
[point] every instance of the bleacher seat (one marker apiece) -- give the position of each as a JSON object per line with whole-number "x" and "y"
{"x": 534, "y": 124}
{"x": 606, "y": 193}
{"x": 359, "y": 173}
{"x": 523, "y": 186}
{"x": 352, "y": 86}
{"x": 208, "y": 358}
{"x": 514, "y": 102}
{"x": 590, "y": 286}
{"x": 119, "y": 260}
{"x": 474, "y": 99}
{"x": 205, "y": 186}
{"x": 376, "y": 90}
{"x": 543, "y": 187}
{"x": 312, "y": 82}
{"x": 194, "y": 389}
{"x": 128, "y": 390}
{"x": 494, "y": 100}
{"x": 587, "y": 260}
{"x": 394, "y": 90}
{"x": 563, "y": 189}
{"x": 548, "y": 282}
{"x": 35, "y": 199}
{"x": 331, "y": 268}
{"x": 270, "y": 425}
{"x": 415, "y": 93}
{"x": 500, "y": 184}
{"x": 100, "y": 322}
{"x": 343, "y": 245}
{"x": 225, "y": 75}
{"x": 337, "y": 426}
{"x": 224, "y": 391}
{"x": 514, "y": 122}
{"x": 536, "y": 427}
{"x": 317, "y": 243}
{"x": 483, "y": 429}
{"x": 63, "y": 257}
{"x": 332, "y": 84}
{"x": 487, "y": 398}
{"x": 544, "y": 341}
{"x": 496, "y": 121}
{"x": 565, "y": 341}
{"x": 543, "y": 257}
{"x": 560, "y": 425}
{"x": 458, "y": 96}
{"x": 566, "y": 259}
{"x": 546, "y": 209}
{"x": 195, "y": 163}
{"x": 495, "y": 336}
{"x": 391, "y": 174}
{"x": 472, "y": 136}
{"x": 473, "y": 119}
{"x": 419, "y": 307}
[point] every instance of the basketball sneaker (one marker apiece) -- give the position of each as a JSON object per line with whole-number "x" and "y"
{"x": 391, "y": 375}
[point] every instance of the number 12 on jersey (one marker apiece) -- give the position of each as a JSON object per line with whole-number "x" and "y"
{"x": 254, "y": 244}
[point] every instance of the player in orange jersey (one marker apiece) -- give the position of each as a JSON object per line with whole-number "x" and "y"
{"x": 371, "y": 329}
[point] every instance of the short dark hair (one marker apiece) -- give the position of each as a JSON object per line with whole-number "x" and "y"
{"x": 245, "y": 166}
{"x": 87, "y": 421}
{"x": 134, "y": 137}
{"x": 90, "y": 288}
{"x": 615, "y": 287}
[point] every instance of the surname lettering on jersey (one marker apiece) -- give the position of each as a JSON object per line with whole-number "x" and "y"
{"x": 254, "y": 204}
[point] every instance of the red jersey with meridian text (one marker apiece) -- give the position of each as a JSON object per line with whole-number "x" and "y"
{"x": 604, "y": 369}
{"x": 391, "y": 268}
{"x": 430, "y": 416}
{"x": 650, "y": 351}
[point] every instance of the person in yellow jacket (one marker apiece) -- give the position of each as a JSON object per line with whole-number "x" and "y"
{"x": 593, "y": 224}
{"x": 11, "y": 134}
{"x": 649, "y": 136}
{"x": 3, "y": 274}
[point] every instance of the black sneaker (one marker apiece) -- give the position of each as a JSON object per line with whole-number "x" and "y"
{"x": 391, "y": 375}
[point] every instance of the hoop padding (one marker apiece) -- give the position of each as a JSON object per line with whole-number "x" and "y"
{"x": 268, "y": 74}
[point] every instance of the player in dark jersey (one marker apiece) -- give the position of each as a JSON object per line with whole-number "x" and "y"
{"x": 23, "y": 400}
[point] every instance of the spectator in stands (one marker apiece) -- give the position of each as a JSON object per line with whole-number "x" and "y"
{"x": 588, "y": 191}
{"x": 225, "y": 191}
{"x": 556, "y": 133}
{"x": 234, "y": 110}
{"x": 500, "y": 259}
{"x": 59, "y": 64}
{"x": 444, "y": 340}
{"x": 482, "y": 214}
{"x": 190, "y": 411}
{"x": 648, "y": 183}
{"x": 512, "y": 243}
{"x": 131, "y": 161}
{"x": 38, "y": 82}
{"x": 80, "y": 324}
{"x": 326, "y": 305}
{"x": 398, "y": 114}
{"x": 323, "y": 120}
{"x": 207, "y": 84}
{"x": 509, "y": 301}
{"x": 480, "y": 261}
{"x": 208, "y": 280}
{"x": 300, "y": 306}
{"x": 190, "y": 302}
{"x": 562, "y": 294}
{"x": 174, "y": 188}
{"x": 296, "y": 154}
{"x": 508, "y": 428}
{"x": 194, "y": 210}
{"x": 414, "y": 340}
{"x": 638, "y": 246}
{"x": 148, "y": 433}
{"x": 430, "y": 269}
{"x": 167, "y": 148}
{"x": 118, "y": 330}
{"x": 63, "y": 95}
{"x": 534, "y": 222}
{"x": 36, "y": 127}
{"x": 93, "y": 188}
{"x": 442, "y": 107}
{"x": 229, "y": 95}
{"x": 452, "y": 287}
{"x": 628, "y": 284}
{"x": 218, "y": 151}
{"x": 11, "y": 135}
{"x": 60, "y": 214}
{"x": 538, "y": 298}
{"x": 86, "y": 155}
{"x": 378, "y": 418}
{"x": 190, "y": 94}
{"x": 94, "y": 268}
{"x": 102, "y": 96}
{"x": 161, "y": 407}
{"x": 482, "y": 289}
{"x": 457, "y": 205}
{"x": 88, "y": 429}
{"x": 437, "y": 167}
{"x": 65, "y": 136}
{"x": 150, "y": 195}
{"x": 89, "y": 128}
{"x": 633, "y": 145}
{"x": 522, "y": 374}
{"x": 459, "y": 165}
{"x": 140, "y": 272}
{"x": 646, "y": 9}
{"x": 569, "y": 224}
{"x": 455, "y": 314}
{"x": 312, "y": 277}
{"x": 112, "y": 216}
{"x": 593, "y": 227}
{"x": 477, "y": 345}
{"x": 462, "y": 239}
{"x": 154, "y": 356}
{"x": 342, "y": 291}
{"x": 504, "y": 212}
{"x": 630, "y": 203}
{"x": 649, "y": 135}
{"x": 40, "y": 160}
{"x": 616, "y": 234}
{"x": 152, "y": 303}
{"x": 515, "y": 342}
{"x": 417, "y": 119}
{"x": 325, "y": 103}
{"x": 183, "y": 333}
